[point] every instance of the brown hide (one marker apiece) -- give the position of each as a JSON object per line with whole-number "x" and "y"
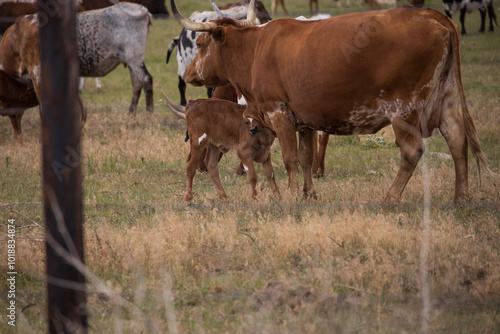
{"x": 218, "y": 126}
{"x": 11, "y": 9}
{"x": 15, "y": 98}
{"x": 351, "y": 74}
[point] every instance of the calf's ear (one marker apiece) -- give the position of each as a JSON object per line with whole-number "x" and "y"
{"x": 219, "y": 35}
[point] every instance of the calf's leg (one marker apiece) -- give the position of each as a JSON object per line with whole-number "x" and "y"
{"x": 212, "y": 159}
{"x": 268, "y": 170}
{"x": 15, "y": 120}
{"x": 306, "y": 138}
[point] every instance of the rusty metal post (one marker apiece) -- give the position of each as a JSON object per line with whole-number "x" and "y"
{"x": 61, "y": 163}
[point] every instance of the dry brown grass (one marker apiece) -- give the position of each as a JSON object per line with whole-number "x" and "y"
{"x": 338, "y": 264}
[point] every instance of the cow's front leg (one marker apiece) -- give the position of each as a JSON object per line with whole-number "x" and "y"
{"x": 306, "y": 142}
{"x": 285, "y": 131}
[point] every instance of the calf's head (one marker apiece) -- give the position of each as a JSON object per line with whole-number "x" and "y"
{"x": 207, "y": 68}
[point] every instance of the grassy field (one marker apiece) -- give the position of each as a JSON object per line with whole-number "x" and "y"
{"x": 338, "y": 264}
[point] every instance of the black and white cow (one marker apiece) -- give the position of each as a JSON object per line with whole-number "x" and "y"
{"x": 186, "y": 41}
{"x": 467, "y": 6}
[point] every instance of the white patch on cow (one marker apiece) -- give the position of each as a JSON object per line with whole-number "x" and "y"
{"x": 250, "y": 120}
{"x": 246, "y": 168}
{"x": 34, "y": 20}
{"x": 278, "y": 110}
{"x": 201, "y": 138}
{"x": 36, "y": 74}
{"x": 199, "y": 65}
{"x": 242, "y": 101}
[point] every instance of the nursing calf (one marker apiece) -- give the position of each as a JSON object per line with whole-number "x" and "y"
{"x": 218, "y": 126}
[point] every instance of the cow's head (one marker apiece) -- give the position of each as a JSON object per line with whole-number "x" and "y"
{"x": 207, "y": 68}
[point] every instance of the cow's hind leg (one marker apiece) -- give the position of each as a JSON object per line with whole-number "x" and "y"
{"x": 412, "y": 147}
{"x": 482, "y": 10}
{"x": 453, "y": 131}
{"x": 182, "y": 90}
{"x": 141, "y": 79}
{"x": 491, "y": 15}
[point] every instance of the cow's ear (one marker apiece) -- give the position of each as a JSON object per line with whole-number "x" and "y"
{"x": 219, "y": 35}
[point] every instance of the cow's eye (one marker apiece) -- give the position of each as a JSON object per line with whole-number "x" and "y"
{"x": 198, "y": 45}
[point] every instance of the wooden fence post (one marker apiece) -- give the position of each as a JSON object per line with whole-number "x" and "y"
{"x": 62, "y": 173}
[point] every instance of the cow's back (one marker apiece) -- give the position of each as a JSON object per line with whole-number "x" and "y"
{"x": 105, "y": 36}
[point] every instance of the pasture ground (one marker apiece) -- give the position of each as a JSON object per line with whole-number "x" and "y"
{"x": 338, "y": 264}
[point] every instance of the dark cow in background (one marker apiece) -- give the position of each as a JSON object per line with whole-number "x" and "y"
{"x": 355, "y": 90}
{"x": 155, "y": 7}
{"x": 106, "y": 38}
{"x": 186, "y": 41}
{"x": 15, "y": 98}
{"x": 467, "y": 6}
{"x": 12, "y": 9}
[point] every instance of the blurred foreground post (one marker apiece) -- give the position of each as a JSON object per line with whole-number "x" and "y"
{"x": 62, "y": 175}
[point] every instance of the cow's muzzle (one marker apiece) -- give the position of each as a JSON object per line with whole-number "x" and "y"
{"x": 254, "y": 130}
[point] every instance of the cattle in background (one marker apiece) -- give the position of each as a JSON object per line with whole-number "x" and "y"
{"x": 370, "y": 69}
{"x": 15, "y": 98}
{"x": 467, "y": 6}
{"x": 186, "y": 41}
{"x": 218, "y": 126}
{"x": 155, "y": 7}
{"x": 12, "y": 9}
{"x": 275, "y": 3}
{"x": 106, "y": 38}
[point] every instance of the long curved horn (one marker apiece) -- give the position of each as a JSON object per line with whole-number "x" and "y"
{"x": 216, "y": 9}
{"x": 188, "y": 24}
{"x": 221, "y": 13}
{"x": 176, "y": 109}
{"x": 250, "y": 21}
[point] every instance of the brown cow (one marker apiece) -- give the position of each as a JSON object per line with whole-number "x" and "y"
{"x": 12, "y": 9}
{"x": 218, "y": 126}
{"x": 351, "y": 74}
{"x": 15, "y": 98}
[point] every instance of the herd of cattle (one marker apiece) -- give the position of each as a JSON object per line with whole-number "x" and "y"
{"x": 351, "y": 74}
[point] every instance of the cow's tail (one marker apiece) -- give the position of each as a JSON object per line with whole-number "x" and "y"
{"x": 470, "y": 128}
{"x": 176, "y": 109}
{"x": 171, "y": 47}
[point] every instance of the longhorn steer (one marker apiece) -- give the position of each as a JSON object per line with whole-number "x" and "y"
{"x": 106, "y": 38}
{"x": 217, "y": 126}
{"x": 186, "y": 41}
{"x": 467, "y": 6}
{"x": 351, "y": 74}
